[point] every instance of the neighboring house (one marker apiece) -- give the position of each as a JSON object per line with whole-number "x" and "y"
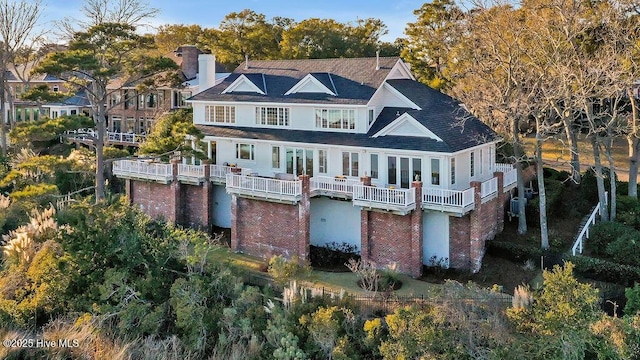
{"x": 20, "y": 80}
{"x": 336, "y": 150}
{"x": 134, "y": 111}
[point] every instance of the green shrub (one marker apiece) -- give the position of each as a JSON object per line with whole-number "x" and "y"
{"x": 625, "y": 249}
{"x": 628, "y": 211}
{"x": 588, "y": 186}
{"x": 284, "y": 270}
{"x": 633, "y": 300}
{"x": 605, "y": 270}
{"x": 513, "y": 251}
{"x": 604, "y": 233}
{"x": 554, "y": 190}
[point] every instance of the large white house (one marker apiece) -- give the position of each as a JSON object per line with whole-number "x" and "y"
{"x": 365, "y": 153}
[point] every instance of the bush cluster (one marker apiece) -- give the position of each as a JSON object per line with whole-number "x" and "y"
{"x": 333, "y": 255}
{"x": 514, "y": 251}
{"x": 605, "y": 270}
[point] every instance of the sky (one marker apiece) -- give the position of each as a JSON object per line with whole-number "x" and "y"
{"x": 208, "y": 13}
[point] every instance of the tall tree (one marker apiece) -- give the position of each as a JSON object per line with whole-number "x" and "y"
{"x": 95, "y": 58}
{"x": 96, "y": 12}
{"x": 431, "y": 39}
{"x": 491, "y": 69}
{"x": 243, "y": 33}
{"x": 171, "y": 36}
{"x": 18, "y": 23}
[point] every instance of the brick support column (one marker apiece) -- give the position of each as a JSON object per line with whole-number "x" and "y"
{"x": 364, "y": 234}
{"x": 500, "y": 204}
{"x": 304, "y": 219}
{"x": 476, "y": 240}
{"x": 365, "y": 180}
{"x": 235, "y": 243}
{"x": 174, "y": 213}
{"x": 207, "y": 195}
{"x": 416, "y": 233}
{"x": 128, "y": 183}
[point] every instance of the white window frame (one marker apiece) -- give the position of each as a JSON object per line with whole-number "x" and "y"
{"x": 283, "y": 116}
{"x": 276, "y": 160}
{"x": 346, "y": 121}
{"x": 472, "y": 164}
{"x": 350, "y": 169}
{"x": 452, "y": 164}
{"x": 228, "y": 114}
{"x": 323, "y": 161}
{"x": 252, "y": 151}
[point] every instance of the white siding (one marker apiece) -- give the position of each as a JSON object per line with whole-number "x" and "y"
{"x": 334, "y": 221}
{"x": 221, "y": 214}
{"x": 435, "y": 240}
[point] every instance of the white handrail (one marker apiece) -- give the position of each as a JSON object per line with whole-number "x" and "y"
{"x": 489, "y": 187}
{"x": 191, "y": 170}
{"x": 142, "y": 169}
{"x": 372, "y": 194}
{"x": 264, "y": 185}
{"x": 501, "y": 167}
{"x": 584, "y": 233}
{"x": 450, "y": 198}
{"x": 338, "y": 185}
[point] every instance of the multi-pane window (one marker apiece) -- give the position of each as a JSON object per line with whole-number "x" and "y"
{"x": 481, "y": 163}
{"x": 116, "y": 99}
{"x": 273, "y": 116}
{"x": 350, "y": 164}
{"x": 371, "y": 116}
{"x": 453, "y": 171}
{"x": 245, "y": 152}
{"x": 336, "y": 119}
{"x": 275, "y": 157}
{"x": 374, "y": 166}
{"x": 322, "y": 161}
{"x": 151, "y": 100}
{"x": 220, "y": 114}
{"x": 129, "y": 99}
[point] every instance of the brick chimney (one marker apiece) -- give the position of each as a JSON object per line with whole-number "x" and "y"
{"x": 189, "y": 54}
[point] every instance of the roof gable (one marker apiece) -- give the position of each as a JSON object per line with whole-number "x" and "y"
{"x": 245, "y": 83}
{"x": 400, "y": 71}
{"x": 314, "y": 83}
{"x": 406, "y": 125}
{"x": 388, "y": 96}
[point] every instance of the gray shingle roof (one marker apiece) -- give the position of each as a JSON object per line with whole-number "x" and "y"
{"x": 354, "y": 79}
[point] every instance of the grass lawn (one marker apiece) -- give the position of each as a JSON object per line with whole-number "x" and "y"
{"x": 556, "y": 154}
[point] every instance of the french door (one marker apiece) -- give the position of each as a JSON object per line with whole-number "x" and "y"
{"x": 299, "y": 161}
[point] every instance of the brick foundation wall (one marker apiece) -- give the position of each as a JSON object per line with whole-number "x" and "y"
{"x": 194, "y": 199}
{"x": 153, "y": 198}
{"x": 459, "y": 257}
{"x": 388, "y": 239}
{"x": 265, "y": 229}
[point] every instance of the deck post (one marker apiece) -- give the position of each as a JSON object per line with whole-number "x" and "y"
{"x": 501, "y": 199}
{"x": 304, "y": 219}
{"x": 207, "y": 195}
{"x": 476, "y": 242}
{"x": 416, "y": 233}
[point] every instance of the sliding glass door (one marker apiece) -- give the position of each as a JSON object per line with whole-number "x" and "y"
{"x": 299, "y": 161}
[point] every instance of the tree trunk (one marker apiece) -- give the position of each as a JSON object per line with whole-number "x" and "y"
{"x": 544, "y": 231}
{"x": 613, "y": 186}
{"x": 3, "y": 114}
{"x": 572, "y": 138}
{"x": 634, "y": 147}
{"x": 99, "y": 118}
{"x": 522, "y": 201}
{"x": 604, "y": 213}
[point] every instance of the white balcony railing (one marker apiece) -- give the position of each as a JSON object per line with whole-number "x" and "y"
{"x": 402, "y": 200}
{"x": 286, "y": 190}
{"x": 143, "y": 170}
{"x": 111, "y": 136}
{"x": 489, "y": 187}
{"x": 191, "y": 173}
{"x": 329, "y": 185}
{"x": 448, "y": 200}
{"x": 510, "y": 175}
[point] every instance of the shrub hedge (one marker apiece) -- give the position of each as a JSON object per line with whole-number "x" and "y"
{"x": 605, "y": 270}
{"x": 604, "y": 233}
{"x": 513, "y": 251}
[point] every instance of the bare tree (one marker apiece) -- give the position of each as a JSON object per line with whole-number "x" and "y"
{"x": 18, "y": 24}
{"x": 95, "y": 12}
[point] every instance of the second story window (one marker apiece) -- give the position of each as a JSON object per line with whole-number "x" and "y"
{"x": 151, "y": 100}
{"x": 472, "y": 163}
{"x": 272, "y": 116}
{"x": 220, "y": 114}
{"x": 56, "y": 88}
{"x": 116, "y": 99}
{"x": 350, "y": 164}
{"x": 129, "y": 99}
{"x": 336, "y": 119}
